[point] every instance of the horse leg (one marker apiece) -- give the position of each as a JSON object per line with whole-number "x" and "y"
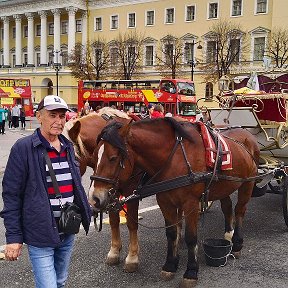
{"x": 244, "y": 195}
{"x": 172, "y": 234}
{"x": 113, "y": 257}
{"x": 191, "y": 214}
{"x": 227, "y": 209}
{"x": 132, "y": 259}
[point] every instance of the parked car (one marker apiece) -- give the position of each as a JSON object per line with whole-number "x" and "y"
{"x": 71, "y": 114}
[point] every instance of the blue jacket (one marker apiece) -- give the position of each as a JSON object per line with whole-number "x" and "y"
{"x": 27, "y": 213}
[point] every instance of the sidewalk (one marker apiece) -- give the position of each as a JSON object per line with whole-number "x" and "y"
{"x": 12, "y": 135}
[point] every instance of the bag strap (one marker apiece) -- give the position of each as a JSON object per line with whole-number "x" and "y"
{"x": 53, "y": 177}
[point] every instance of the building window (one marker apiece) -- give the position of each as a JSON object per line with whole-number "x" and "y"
{"x": 169, "y": 15}
{"x": 13, "y": 60}
{"x": 169, "y": 49}
{"x": 209, "y": 91}
{"x": 25, "y": 56}
{"x": 235, "y": 50}
{"x": 213, "y": 10}
{"x": 78, "y": 25}
{"x": 64, "y": 27}
{"x": 188, "y": 48}
{"x": 98, "y": 56}
{"x": 38, "y": 30}
{"x": 211, "y": 51}
{"x": 50, "y": 58}
{"x": 114, "y": 22}
{"x": 2, "y": 33}
{"x": 131, "y": 20}
{"x": 14, "y": 32}
{"x": 190, "y": 13}
{"x": 259, "y": 48}
{"x": 98, "y": 24}
{"x": 114, "y": 56}
{"x": 51, "y": 29}
{"x": 38, "y": 59}
{"x": 149, "y": 55}
{"x": 25, "y": 31}
{"x": 261, "y": 6}
{"x": 150, "y": 18}
{"x": 236, "y": 7}
{"x": 64, "y": 58}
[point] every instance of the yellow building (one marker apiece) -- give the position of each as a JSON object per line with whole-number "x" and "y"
{"x": 37, "y": 36}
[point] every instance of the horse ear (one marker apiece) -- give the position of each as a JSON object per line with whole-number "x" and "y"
{"x": 74, "y": 131}
{"x": 123, "y": 131}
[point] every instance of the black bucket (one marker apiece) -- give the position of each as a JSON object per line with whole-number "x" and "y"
{"x": 217, "y": 251}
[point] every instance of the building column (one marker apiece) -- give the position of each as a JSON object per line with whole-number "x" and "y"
{"x": 71, "y": 28}
{"x": 6, "y": 47}
{"x": 43, "y": 40}
{"x": 18, "y": 40}
{"x": 84, "y": 29}
{"x": 57, "y": 47}
{"x": 30, "y": 40}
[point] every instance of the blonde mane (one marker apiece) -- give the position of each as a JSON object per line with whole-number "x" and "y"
{"x": 79, "y": 147}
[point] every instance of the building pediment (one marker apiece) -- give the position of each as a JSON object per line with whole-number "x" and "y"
{"x": 150, "y": 40}
{"x": 189, "y": 36}
{"x": 260, "y": 30}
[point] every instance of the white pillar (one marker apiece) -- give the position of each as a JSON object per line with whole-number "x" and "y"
{"x": 43, "y": 40}
{"x": 18, "y": 40}
{"x": 30, "y": 40}
{"x": 57, "y": 47}
{"x": 71, "y": 28}
{"x": 6, "y": 47}
{"x": 84, "y": 29}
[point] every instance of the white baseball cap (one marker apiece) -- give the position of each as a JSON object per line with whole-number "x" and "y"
{"x": 52, "y": 102}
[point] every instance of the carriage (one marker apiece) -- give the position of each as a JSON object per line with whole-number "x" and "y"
{"x": 116, "y": 157}
{"x": 265, "y": 116}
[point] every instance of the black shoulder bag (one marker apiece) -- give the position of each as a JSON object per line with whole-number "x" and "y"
{"x": 70, "y": 218}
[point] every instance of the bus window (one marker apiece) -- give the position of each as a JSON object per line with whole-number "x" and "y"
{"x": 186, "y": 89}
{"x": 88, "y": 85}
{"x": 187, "y": 109}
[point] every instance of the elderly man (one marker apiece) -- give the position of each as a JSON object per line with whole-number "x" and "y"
{"x": 31, "y": 210}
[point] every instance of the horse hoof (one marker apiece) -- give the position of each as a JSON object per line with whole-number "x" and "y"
{"x": 166, "y": 276}
{"x": 236, "y": 254}
{"x": 131, "y": 267}
{"x": 188, "y": 283}
{"x": 112, "y": 261}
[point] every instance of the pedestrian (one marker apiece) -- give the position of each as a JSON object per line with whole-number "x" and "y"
{"x": 9, "y": 117}
{"x": 15, "y": 116}
{"x": 3, "y": 118}
{"x": 158, "y": 111}
{"x": 29, "y": 196}
{"x": 150, "y": 109}
{"x": 23, "y": 118}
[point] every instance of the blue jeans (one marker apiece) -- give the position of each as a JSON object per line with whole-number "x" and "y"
{"x": 50, "y": 265}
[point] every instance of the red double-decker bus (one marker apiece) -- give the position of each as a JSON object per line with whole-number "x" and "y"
{"x": 176, "y": 95}
{"x": 16, "y": 92}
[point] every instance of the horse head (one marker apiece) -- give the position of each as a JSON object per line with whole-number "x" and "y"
{"x": 114, "y": 165}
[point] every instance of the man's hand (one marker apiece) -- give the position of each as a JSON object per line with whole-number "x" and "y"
{"x": 12, "y": 251}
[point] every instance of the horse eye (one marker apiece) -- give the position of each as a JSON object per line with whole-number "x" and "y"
{"x": 113, "y": 158}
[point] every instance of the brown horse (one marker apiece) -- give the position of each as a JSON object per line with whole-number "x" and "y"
{"x": 83, "y": 133}
{"x": 149, "y": 144}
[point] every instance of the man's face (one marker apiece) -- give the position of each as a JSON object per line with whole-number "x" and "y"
{"x": 52, "y": 122}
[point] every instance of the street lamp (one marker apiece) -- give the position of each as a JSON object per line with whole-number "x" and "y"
{"x": 57, "y": 67}
{"x": 190, "y": 47}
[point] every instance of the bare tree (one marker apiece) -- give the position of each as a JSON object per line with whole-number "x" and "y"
{"x": 126, "y": 54}
{"x": 90, "y": 62}
{"x": 277, "y": 47}
{"x": 170, "y": 56}
{"x": 226, "y": 42}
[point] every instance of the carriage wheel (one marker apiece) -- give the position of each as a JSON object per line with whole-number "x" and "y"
{"x": 285, "y": 199}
